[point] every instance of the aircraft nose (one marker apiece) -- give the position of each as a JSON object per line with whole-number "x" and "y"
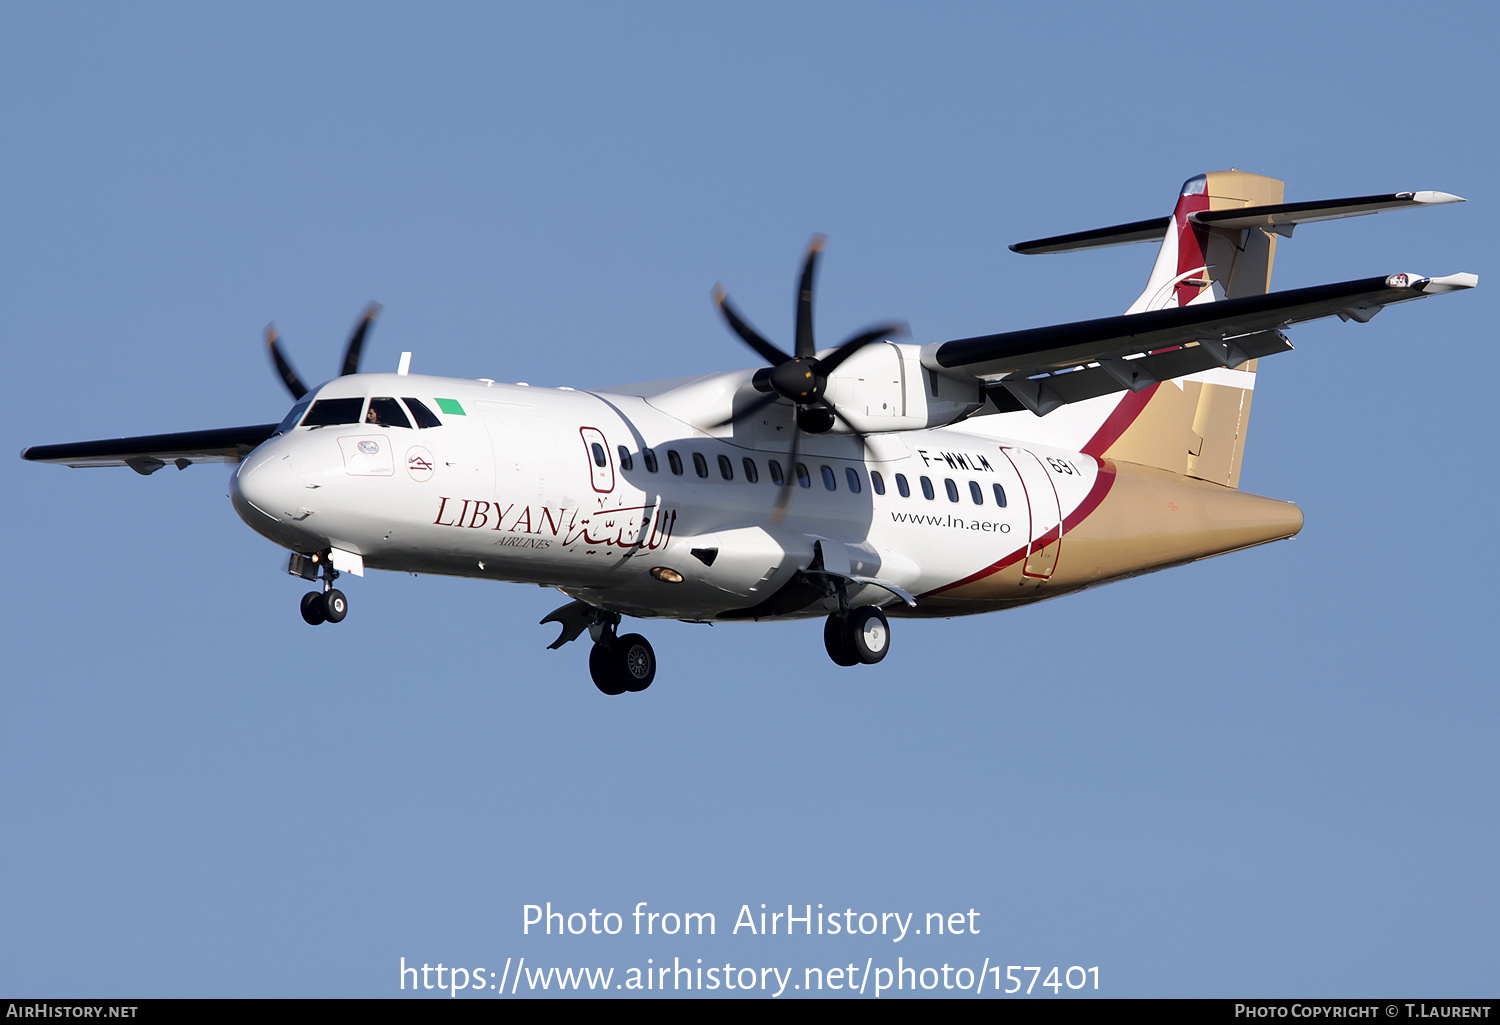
{"x": 268, "y": 484}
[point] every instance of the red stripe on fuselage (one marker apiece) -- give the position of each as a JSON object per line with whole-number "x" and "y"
{"x": 1102, "y": 483}
{"x": 1119, "y": 421}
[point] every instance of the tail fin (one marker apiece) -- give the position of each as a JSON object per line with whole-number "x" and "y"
{"x": 1196, "y": 426}
{"x": 1199, "y": 262}
{"x": 1219, "y": 243}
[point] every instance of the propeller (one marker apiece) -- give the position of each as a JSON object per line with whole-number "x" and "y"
{"x": 352, "y": 351}
{"x": 800, "y": 378}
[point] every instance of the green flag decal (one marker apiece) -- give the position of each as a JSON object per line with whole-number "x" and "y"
{"x": 450, "y": 406}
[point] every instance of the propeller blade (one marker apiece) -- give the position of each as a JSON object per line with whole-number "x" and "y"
{"x": 788, "y": 480}
{"x": 357, "y": 339}
{"x": 895, "y": 329}
{"x": 753, "y": 338}
{"x": 755, "y": 407}
{"x": 805, "y": 346}
{"x": 288, "y": 375}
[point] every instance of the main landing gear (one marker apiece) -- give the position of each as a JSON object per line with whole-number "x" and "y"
{"x": 328, "y": 605}
{"x": 860, "y": 636}
{"x": 617, "y": 664}
{"x": 620, "y": 664}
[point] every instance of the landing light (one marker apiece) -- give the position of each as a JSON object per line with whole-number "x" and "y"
{"x": 667, "y": 576}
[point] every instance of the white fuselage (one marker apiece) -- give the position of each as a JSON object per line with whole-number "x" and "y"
{"x": 514, "y": 488}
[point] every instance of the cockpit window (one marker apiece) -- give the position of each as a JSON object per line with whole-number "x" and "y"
{"x": 293, "y": 416}
{"x": 421, "y": 414}
{"x": 387, "y": 413}
{"x": 327, "y": 412}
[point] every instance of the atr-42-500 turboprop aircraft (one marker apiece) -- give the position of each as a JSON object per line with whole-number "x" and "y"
{"x": 928, "y": 480}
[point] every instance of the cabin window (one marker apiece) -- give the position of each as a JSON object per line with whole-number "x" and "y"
{"x": 804, "y": 479}
{"x": 852, "y": 476}
{"x": 421, "y": 414}
{"x": 327, "y": 412}
{"x": 600, "y": 457}
{"x": 927, "y": 491}
{"x": 700, "y": 465}
{"x": 726, "y": 468}
{"x": 674, "y": 461}
{"x": 649, "y": 455}
{"x": 777, "y": 477}
{"x": 903, "y": 487}
{"x": 1000, "y": 496}
{"x": 829, "y": 480}
{"x": 387, "y": 413}
{"x": 951, "y": 488}
{"x": 877, "y": 482}
{"x": 751, "y": 473}
{"x": 976, "y": 493}
{"x": 626, "y": 463}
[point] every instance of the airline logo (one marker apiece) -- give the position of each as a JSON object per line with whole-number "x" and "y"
{"x": 419, "y": 464}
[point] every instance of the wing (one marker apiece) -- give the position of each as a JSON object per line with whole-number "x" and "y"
{"x": 149, "y": 453}
{"x": 1042, "y": 368}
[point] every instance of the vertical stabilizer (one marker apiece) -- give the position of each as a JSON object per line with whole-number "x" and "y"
{"x": 1196, "y": 426}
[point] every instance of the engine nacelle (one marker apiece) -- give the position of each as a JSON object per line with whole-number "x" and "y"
{"x": 885, "y": 387}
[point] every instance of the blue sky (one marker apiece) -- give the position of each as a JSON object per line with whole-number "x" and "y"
{"x": 1272, "y": 773}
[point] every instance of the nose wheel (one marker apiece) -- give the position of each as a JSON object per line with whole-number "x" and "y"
{"x": 861, "y": 637}
{"x": 328, "y": 605}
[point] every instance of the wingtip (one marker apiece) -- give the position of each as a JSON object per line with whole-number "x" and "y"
{"x": 1436, "y": 197}
{"x": 718, "y": 293}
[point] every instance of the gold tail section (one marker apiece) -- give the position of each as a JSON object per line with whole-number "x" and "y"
{"x": 1190, "y": 427}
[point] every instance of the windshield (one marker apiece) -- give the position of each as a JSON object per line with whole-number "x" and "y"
{"x": 291, "y": 418}
{"x": 326, "y": 412}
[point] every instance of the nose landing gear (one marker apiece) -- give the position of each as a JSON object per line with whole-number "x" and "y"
{"x": 328, "y": 605}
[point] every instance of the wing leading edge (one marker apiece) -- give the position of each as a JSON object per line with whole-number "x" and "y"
{"x": 150, "y": 452}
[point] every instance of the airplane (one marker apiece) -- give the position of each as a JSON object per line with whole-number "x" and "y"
{"x": 872, "y": 480}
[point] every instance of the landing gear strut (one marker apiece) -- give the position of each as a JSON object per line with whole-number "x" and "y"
{"x": 328, "y": 605}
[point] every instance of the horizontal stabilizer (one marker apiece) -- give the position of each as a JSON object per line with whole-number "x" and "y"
{"x": 149, "y": 453}
{"x": 1115, "y": 235}
{"x": 1061, "y": 347}
{"x": 1283, "y": 217}
{"x": 1277, "y": 217}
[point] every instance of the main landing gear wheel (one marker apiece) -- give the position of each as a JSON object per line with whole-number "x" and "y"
{"x": 637, "y": 662}
{"x": 869, "y": 634}
{"x": 622, "y": 664}
{"x": 312, "y": 608}
{"x": 862, "y": 636}
{"x": 836, "y": 640}
{"x": 602, "y": 669}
